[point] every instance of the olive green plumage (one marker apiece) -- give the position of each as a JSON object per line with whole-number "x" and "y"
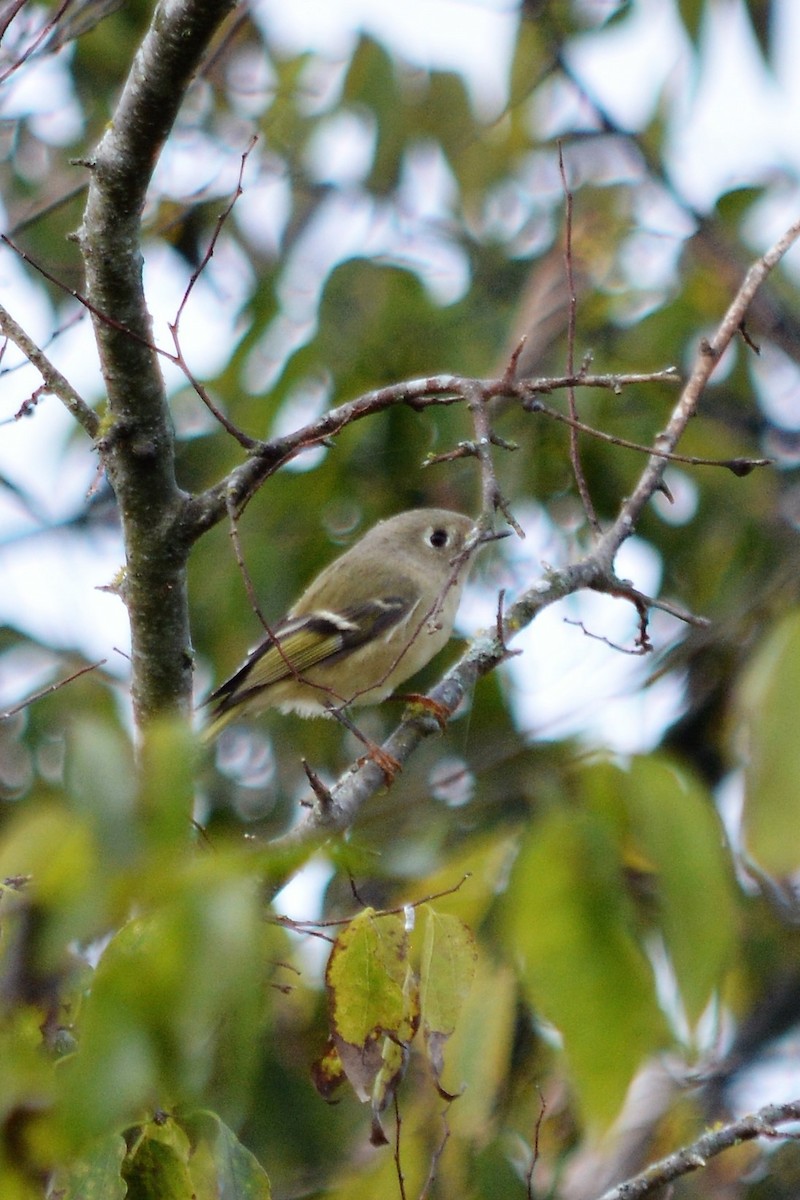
{"x": 370, "y": 620}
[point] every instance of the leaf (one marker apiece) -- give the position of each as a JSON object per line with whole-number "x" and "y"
{"x": 97, "y": 1175}
{"x": 157, "y": 1166}
{"x": 763, "y": 19}
{"x": 65, "y": 898}
{"x": 479, "y": 1052}
{"x": 371, "y": 85}
{"x": 672, "y": 824}
{"x": 167, "y": 764}
{"x": 51, "y": 846}
{"x": 327, "y": 1072}
{"x": 766, "y": 707}
{"x": 221, "y": 1167}
{"x": 366, "y": 977}
{"x": 449, "y": 958}
{"x": 566, "y": 921}
{"x": 174, "y": 1003}
{"x": 373, "y": 1003}
{"x": 734, "y": 205}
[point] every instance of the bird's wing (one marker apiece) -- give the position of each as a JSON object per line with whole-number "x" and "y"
{"x": 302, "y": 642}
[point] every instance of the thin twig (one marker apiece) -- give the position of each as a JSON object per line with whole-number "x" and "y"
{"x": 401, "y": 1180}
{"x": 82, "y": 299}
{"x": 641, "y": 647}
{"x": 537, "y": 1130}
{"x": 706, "y": 360}
{"x": 209, "y": 254}
{"x": 174, "y": 327}
{"x": 436, "y": 1158}
{"x": 55, "y": 382}
{"x": 739, "y": 466}
{"x": 48, "y": 26}
{"x": 206, "y": 509}
{"x": 574, "y": 448}
{"x": 302, "y": 926}
{"x": 492, "y": 497}
{"x": 53, "y": 687}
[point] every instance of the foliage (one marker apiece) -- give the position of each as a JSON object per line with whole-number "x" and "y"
{"x": 585, "y": 920}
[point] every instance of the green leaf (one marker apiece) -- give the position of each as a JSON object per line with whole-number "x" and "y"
{"x": 372, "y": 84}
{"x": 366, "y": 977}
{"x": 374, "y": 1006}
{"x": 167, "y": 761}
{"x": 53, "y": 848}
{"x": 157, "y": 1166}
{"x": 448, "y": 963}
{"x": 174, "y": 1005}
{"x": 479, "y": 1051}
{"x": 97, "y": 1175}
{"x": 566, "y": 921}
{"x": 221, "y": 1167}
{"x": 733, "y": 206}
{"x": 763, "y": 19}
{"x": 671, "y": 822}
{"x": 449, "y": 958}
{"x": 766, "y": 707}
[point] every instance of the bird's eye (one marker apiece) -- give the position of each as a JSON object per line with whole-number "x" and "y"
{"x": 438, "y": 538}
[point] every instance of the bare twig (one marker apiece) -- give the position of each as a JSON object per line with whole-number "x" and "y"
{"x": 537, "y": 1131}
{"x": 642, "y": 646}
{"x": 695, "y": 1156}
{"x": 55, "y": 382}
{"x": 436, "y": 1158}
{"x": 309, "y": 927}
{"x": 707, "y": 358}
{"x": 48, "y": 691}
{"x": 209, "y": 254}
{"x": 492, "y": 497}
{"x": 174, "y": 327}
{"x": 398, "y": 1165}
{"x": 98, "y": 313}
{"x": 574, "y": 449}
{"x": 41, "y": 35}
{"x": 739, "y": 466}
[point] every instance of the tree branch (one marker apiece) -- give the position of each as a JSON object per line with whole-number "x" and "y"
{"x": 695, "y": 1156}
{"x": 238, "y": 488}
{"x": 707, "y": 358}
{"x": 55, "y": 382}
{"x": 139, "y": 445}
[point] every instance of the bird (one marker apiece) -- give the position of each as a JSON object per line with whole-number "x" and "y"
{"x": 370, "y": 620}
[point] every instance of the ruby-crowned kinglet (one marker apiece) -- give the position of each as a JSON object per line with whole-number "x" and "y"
{"x": 369, "y": 621}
